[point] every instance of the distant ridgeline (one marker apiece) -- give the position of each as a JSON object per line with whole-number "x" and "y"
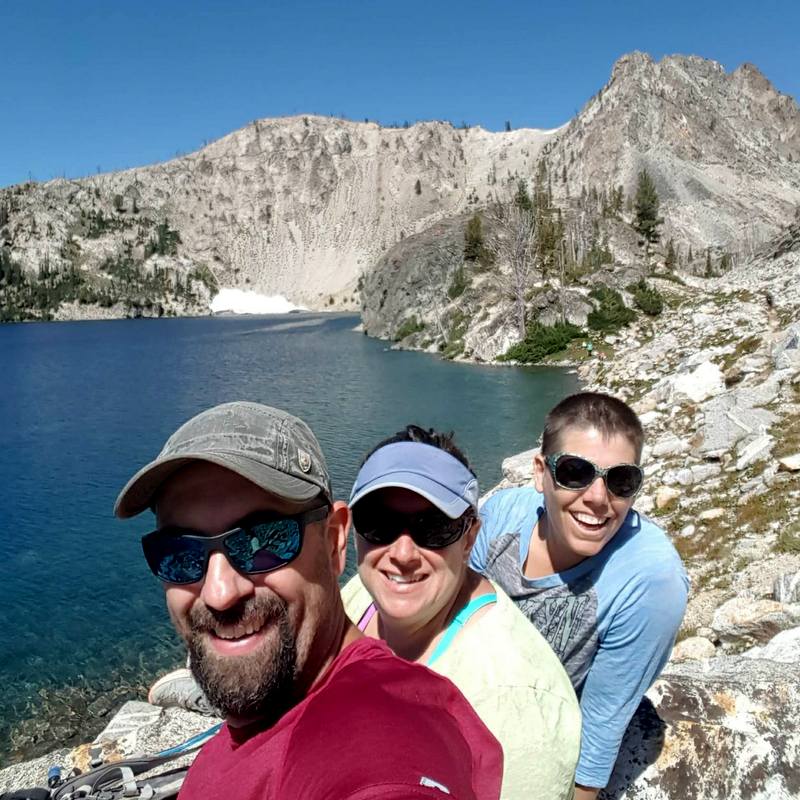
{"x": 456, "y": 240}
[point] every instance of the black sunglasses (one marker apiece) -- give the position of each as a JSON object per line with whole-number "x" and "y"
{"x": 431, "y": 528}
{"x": 262, "y": 542}
{"x": 575, "y": 472}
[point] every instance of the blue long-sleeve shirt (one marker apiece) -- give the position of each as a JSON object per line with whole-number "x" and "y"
{"x": 611, "y": 619}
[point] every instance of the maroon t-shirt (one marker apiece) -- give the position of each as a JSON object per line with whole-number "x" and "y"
{"x": 374, "y": 726}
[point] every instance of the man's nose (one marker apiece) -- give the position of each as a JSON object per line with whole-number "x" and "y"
{"x": 223, "y": 586}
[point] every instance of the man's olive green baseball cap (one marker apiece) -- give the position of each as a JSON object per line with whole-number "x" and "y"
{"x": 267, "y": 446}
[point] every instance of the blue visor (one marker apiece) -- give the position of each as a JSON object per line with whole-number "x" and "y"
{"x": 422, "y": 468}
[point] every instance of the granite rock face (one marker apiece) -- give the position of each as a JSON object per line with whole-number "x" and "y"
{"x": 719, "y": 730}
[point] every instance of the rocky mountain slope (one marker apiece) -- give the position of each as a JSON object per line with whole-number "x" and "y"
{"x": 722, "y": 151}
{"x": 722, "y": 148}
{"x": 297, "y": 206}
{"x": 305, "y": 206}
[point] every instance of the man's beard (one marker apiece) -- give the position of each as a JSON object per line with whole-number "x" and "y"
{"x": 258, "y": 685}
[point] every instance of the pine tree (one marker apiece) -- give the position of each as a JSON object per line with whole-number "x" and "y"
{"x": 646, "y": 220}
{"x": 709, "y": 271}
{"x": 690, "y": 257}
{"x": 473, "y": 239}
{"x": 522, "y": 199}
{"x": 417, "y": 187}
{"x": 508, "y": 126}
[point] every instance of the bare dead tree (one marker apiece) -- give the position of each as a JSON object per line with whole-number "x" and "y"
{"x": 513, "y": 245}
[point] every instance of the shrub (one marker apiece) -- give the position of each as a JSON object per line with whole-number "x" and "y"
{"x": 647, "y": 298}
{"x": 611, "y": 314}
{"x": 409, "y": 326}
{"x": 541, "y": 341}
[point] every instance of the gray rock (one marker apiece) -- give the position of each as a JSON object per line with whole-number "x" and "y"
{"x": 784, "y": 648}
{"x": 692, "y": 649}
{"x": 790, "y": 463}
{"x": 728, "y": 419}
{"x": 754, "y": 451}
{"x": 669, "y": 445}
{"x": 745, "y": 621}
{"x": 518, "y": 469}
{"x": 694, "y": 384}
{"x": 704, "y": 472}
{"x": 786, "y": 352}
{"x": 787, "y": 588}
{"x": 723, "y": 729}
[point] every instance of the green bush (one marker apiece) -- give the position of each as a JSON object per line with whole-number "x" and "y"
{"x": 541, "y": 341}
{"x": 611, "y": 314}
{"x": 647, "y": 298}
{"x": 409, "y": 326}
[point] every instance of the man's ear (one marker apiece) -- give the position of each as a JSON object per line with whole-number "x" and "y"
{"x": 338, "y": 527}
{"x": 539, "y": 468}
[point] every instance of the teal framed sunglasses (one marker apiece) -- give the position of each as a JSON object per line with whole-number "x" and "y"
{"x": 576, "y": 473}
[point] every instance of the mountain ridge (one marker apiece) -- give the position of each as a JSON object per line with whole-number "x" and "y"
{"x": 306, "y": 206}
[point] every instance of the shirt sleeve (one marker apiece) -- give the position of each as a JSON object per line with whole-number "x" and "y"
{"x": 492, "y": 515}
{"x": 630, "y": 657}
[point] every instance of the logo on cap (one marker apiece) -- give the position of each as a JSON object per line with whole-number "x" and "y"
{"x": 304, "y": 460}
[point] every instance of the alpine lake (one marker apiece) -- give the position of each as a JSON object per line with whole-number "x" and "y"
{"x": 83, "y": 625}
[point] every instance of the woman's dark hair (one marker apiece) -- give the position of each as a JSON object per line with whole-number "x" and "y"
{"x": 607, "y": 414}
{"x": 413, "y": 433}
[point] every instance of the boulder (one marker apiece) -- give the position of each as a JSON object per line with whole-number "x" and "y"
{"x": 692, "y": 649}
{"x": 666, "y": 495}
{"x": 790, "y": 463}
{"x": 704, "y": 381}
{"x": 745, "y": 621}
{"x": 669, "y": 445}
{"x": 704, "y": 472}
{"x": 711, "y": 513}
{"x": 783, "y": 648}
{"x": 729, "y": 419}
{"x": 755, "y": 450}
{"x": 723, "y": 729}
{"x": 518, "y": 469}
{"x": 786, "y": 351}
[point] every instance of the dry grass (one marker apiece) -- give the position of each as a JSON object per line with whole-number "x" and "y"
{"x": 789, "y": 540}
{"x": 745, "y": 347}
{"x": 787, "y": 436}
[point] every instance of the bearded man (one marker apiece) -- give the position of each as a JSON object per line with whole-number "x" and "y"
{"x": 249, "y": 546}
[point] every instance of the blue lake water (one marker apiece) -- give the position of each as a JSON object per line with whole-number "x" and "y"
{"x": 83, "y": 405}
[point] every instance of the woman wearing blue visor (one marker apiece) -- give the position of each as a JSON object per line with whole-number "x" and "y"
{"x": 414, "y": 507}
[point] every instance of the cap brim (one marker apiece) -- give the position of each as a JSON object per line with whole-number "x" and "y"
{"x": 140, "y": 491}
{"x": 445, "y": 500}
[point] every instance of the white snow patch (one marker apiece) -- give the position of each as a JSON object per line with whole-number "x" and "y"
{"x": 241, "y": 301}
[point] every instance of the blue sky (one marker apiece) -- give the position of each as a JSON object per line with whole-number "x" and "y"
{"x": 106, "y": 85}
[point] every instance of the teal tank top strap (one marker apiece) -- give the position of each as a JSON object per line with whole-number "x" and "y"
{"x": 459, "y": 621}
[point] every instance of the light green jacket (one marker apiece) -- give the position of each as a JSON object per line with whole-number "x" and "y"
{"x": 517, "y": 685}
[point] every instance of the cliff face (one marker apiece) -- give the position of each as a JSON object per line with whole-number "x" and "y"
{"x": 723, "y": 148}
{"x": 297, "y": 206}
